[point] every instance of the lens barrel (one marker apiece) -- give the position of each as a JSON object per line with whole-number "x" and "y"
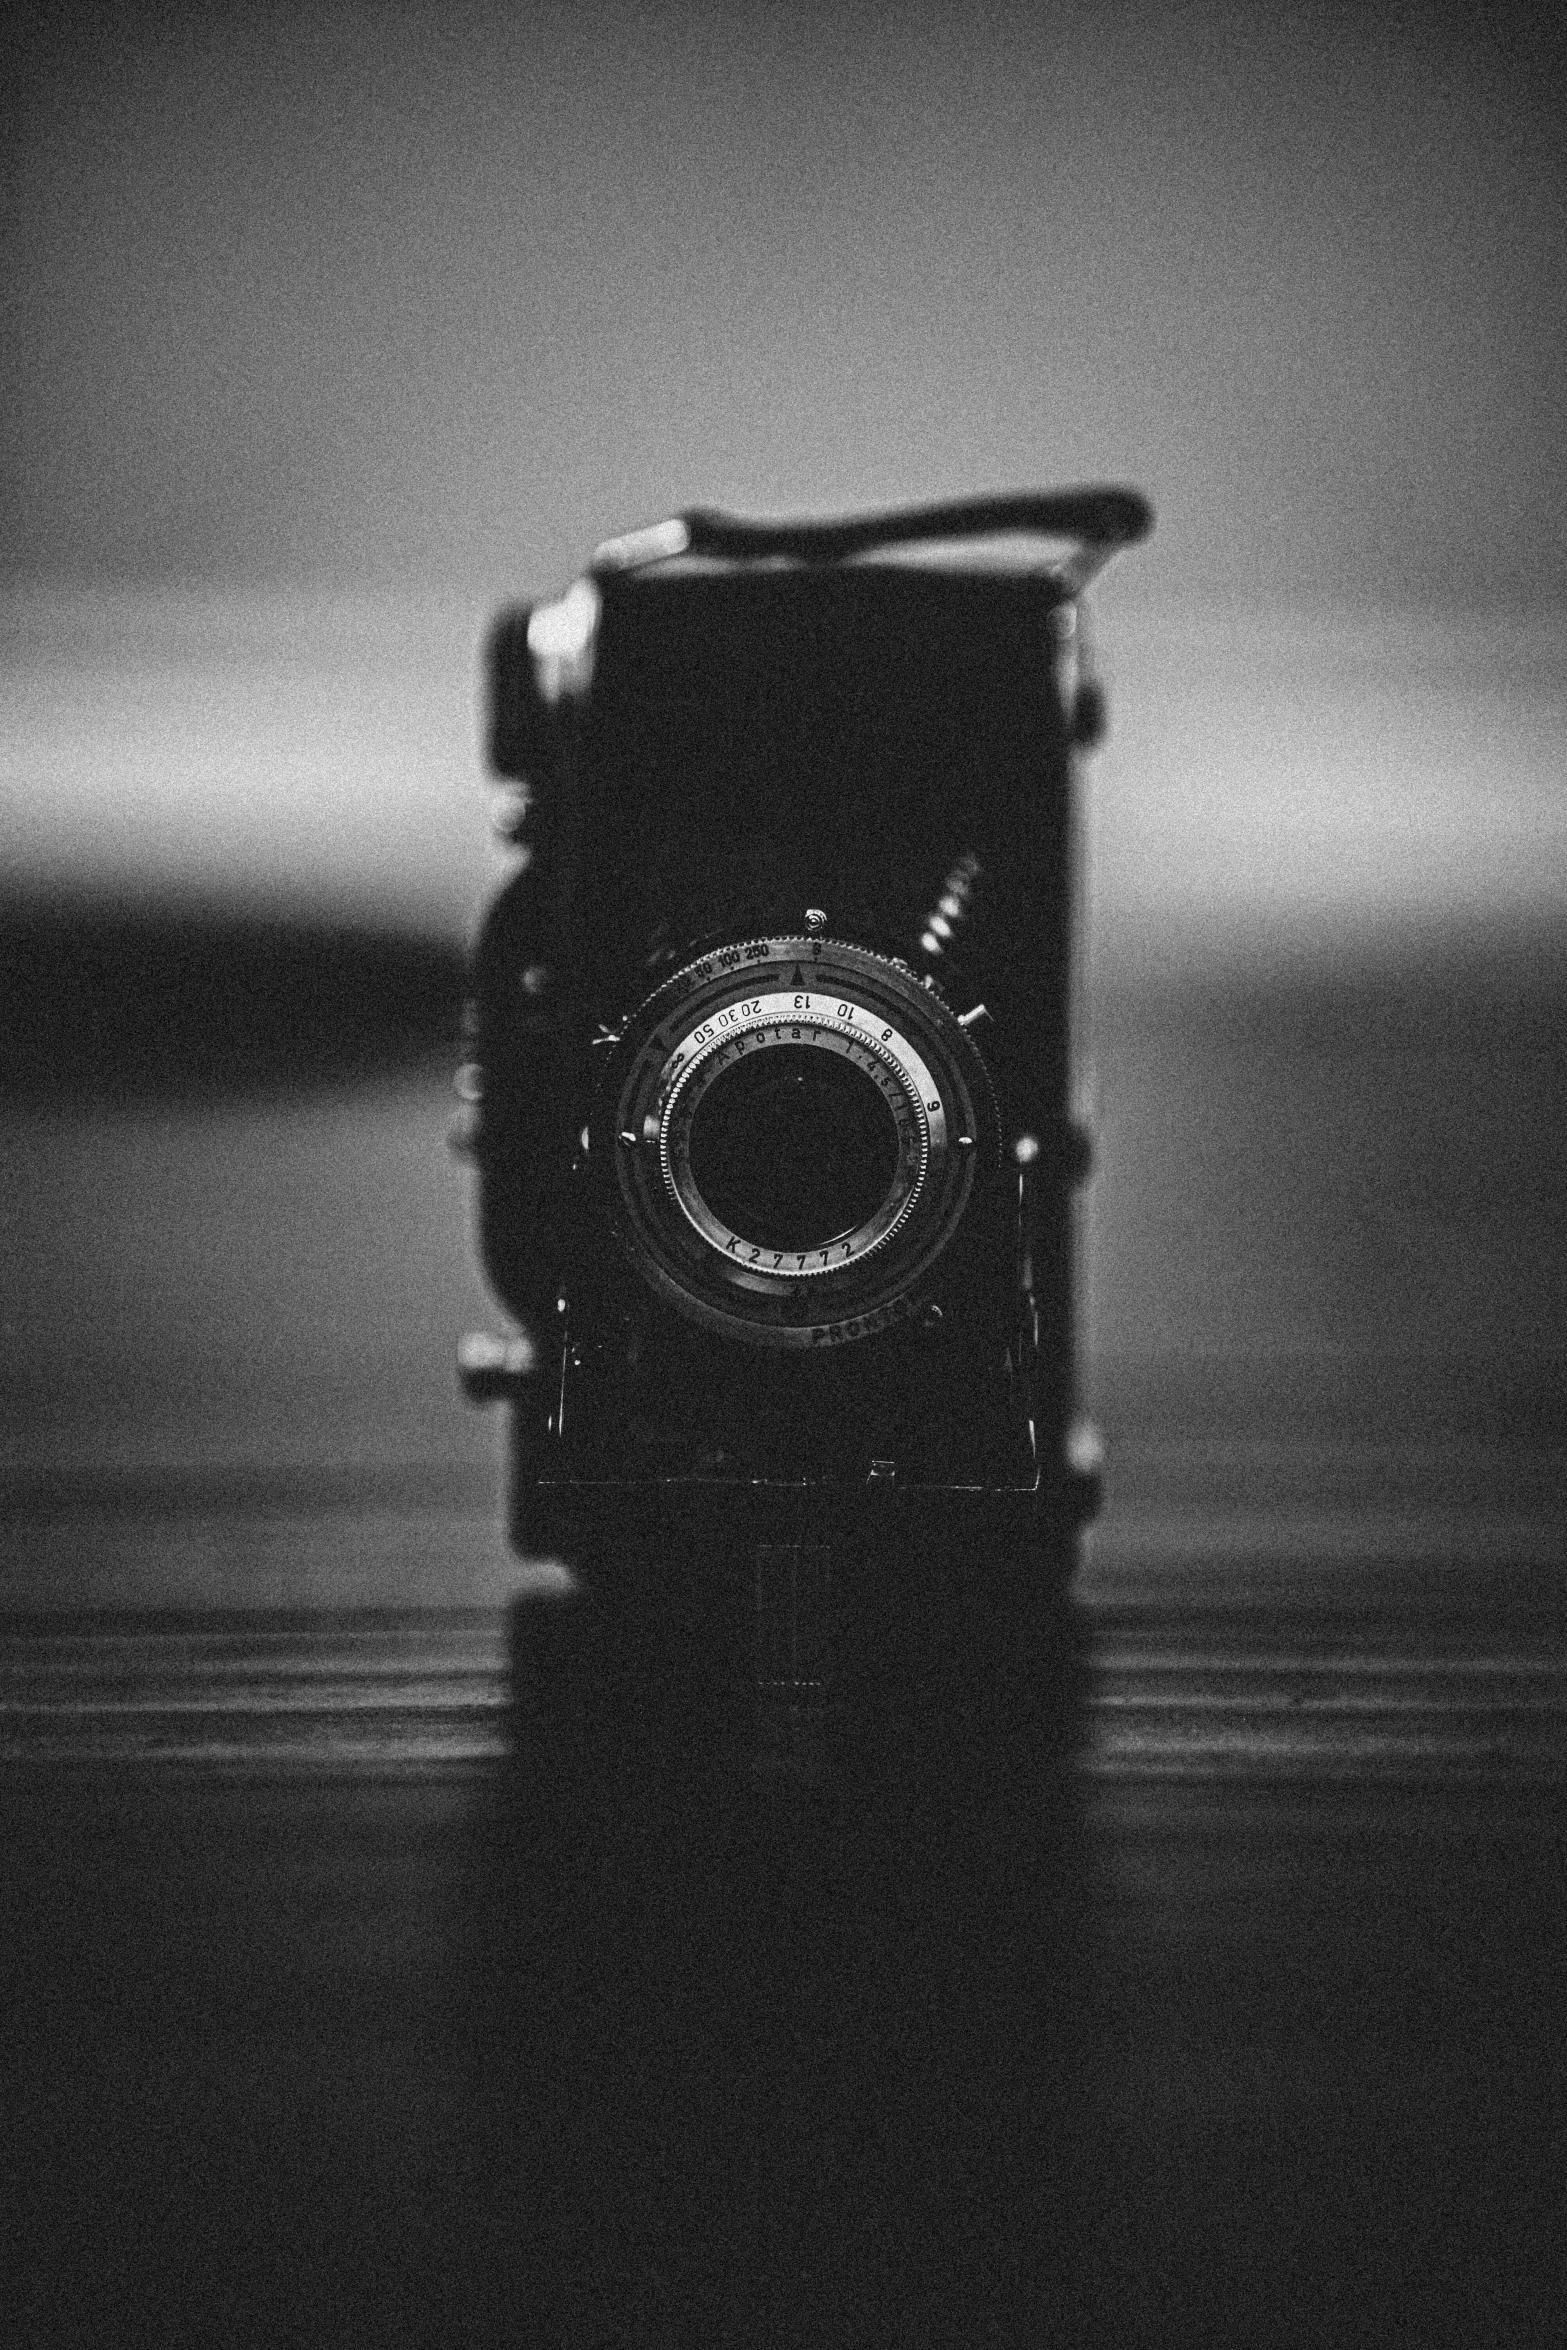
{"x": 796, "y": 1127}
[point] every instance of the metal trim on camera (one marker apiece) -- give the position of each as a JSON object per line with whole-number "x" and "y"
{"x": 863, "y": 1191}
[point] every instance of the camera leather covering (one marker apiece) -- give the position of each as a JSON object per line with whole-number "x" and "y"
{"x": 757, "y": 742}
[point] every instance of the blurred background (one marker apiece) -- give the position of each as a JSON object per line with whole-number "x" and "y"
{"x": 328, "y": 330}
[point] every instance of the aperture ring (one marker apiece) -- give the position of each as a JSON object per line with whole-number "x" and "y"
{"x": 885, "y": 1057}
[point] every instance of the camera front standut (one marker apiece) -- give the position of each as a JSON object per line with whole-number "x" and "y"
{"x": 770, "y": 1094}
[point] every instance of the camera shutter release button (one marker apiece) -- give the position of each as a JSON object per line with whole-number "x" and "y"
{"x": 815, "y": 920}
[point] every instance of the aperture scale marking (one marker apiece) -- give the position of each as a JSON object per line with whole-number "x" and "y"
{"x": 755, "y": 1024}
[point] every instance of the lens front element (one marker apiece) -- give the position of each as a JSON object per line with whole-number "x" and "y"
{"x": 793, "y": 1145}
{"x": 798, "y": 1127}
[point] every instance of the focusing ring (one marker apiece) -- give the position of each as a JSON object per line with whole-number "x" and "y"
{"x": 796, "y": 1127}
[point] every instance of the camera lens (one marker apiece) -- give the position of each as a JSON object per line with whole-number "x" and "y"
{"x": 789, "y": 1131}
{"x": 794, "y": 1148}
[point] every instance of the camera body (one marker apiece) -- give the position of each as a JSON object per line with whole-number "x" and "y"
{"x": 770, "y": 1089}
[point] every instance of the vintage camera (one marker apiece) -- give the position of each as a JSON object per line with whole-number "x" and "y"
{"x": 770, "y": 1097}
